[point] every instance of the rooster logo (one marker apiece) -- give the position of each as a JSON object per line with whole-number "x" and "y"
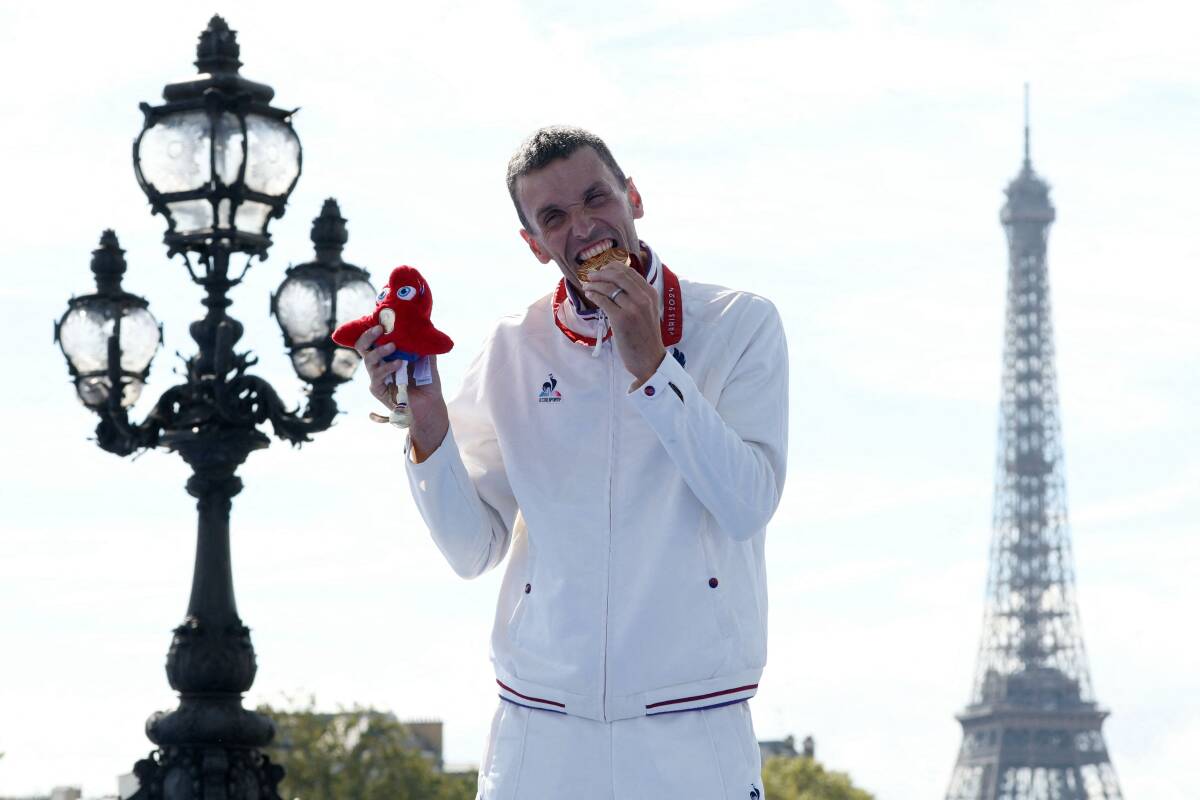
{"x": 549, "y": 394}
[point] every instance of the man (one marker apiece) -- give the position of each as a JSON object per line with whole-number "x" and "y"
{"x": 624, "y": 439}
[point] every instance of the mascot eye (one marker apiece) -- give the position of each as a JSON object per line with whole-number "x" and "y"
{"x": 382, "y": 296}
{"x": 406, "y": 293}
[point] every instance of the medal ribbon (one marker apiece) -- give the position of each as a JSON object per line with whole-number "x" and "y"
{"x": 671, "y": 324}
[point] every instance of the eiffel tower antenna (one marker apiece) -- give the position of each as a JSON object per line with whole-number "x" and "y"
{"x": 1032, "y": 728}
{"x": 1027, "y": 124}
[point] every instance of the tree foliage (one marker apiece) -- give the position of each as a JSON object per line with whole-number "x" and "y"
{"x": 360, "y": 753}
{"x": 804, "y": 778}
{"x": 368, "y": 755}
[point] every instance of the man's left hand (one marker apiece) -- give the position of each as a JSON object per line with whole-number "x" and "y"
{"x": 633, "y": 314}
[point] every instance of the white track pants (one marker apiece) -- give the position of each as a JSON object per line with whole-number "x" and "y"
{"x": 708, "y": 754}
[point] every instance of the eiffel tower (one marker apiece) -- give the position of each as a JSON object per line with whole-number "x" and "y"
{"x": 1032, "y": 728}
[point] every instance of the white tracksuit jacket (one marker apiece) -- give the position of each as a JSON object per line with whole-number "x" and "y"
{"x": 636, "y": 520}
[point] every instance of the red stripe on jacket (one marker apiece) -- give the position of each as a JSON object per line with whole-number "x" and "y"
{"x": 527, "y": 697}
{"x": 700, "y": 696}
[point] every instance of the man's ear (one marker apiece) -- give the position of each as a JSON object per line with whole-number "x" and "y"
{"x": 635, "y": 198}
{"x": 535, "y": 248}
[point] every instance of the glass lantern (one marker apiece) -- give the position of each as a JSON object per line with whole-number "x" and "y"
{"x": 108, "y": 337}
{"x": 217, "y": 160}
{"x": 319, "y": 295}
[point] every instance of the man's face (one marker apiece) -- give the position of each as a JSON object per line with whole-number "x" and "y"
{"x": 576, "y": 208}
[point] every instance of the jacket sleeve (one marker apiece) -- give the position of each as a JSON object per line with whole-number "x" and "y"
{"x": 733, "y": 455}
{"x": 462, "y": 489}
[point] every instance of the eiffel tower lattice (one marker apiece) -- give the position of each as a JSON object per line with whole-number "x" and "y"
{"x": 1032, "y": 729}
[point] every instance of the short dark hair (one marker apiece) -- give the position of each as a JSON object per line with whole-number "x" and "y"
{"x": 548, "y": 144}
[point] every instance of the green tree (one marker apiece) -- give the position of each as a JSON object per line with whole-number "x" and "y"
{"x": 804, "y": 778}
{"x": 360, "y": 753}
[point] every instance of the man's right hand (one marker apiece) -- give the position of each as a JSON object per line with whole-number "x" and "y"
{"x": 430, "y": 421}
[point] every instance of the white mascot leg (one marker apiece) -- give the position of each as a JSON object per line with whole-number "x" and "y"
{"x": 401, "y": 417}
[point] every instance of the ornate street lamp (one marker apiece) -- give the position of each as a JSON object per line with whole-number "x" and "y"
{"x": 216, "y": 159}
{"x": 219, "y": 163}
{"x": 316, "y": 297}
{"x": 110, "y": 337}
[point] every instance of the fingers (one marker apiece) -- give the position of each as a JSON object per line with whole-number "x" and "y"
{"x": 636, "y": 295}
{"x": 635, "y": 323}
{"x": 381, "y": 389}
{"x": 381, "y": 372}
{"x": 602, "y": 290}
{"x": 628, "y": 279}
{"x": 628, "y": 304}
{"x": 373, "y": 355}
{"x": 368, "y": 336}
{"x": 600, "y": 298}
{"x": 379, "y": 369}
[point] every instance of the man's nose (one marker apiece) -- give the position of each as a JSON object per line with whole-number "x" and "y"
{"x": 582, "y": 223}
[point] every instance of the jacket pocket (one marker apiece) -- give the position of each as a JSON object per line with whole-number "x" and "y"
{"x": 524, "y": 588}
{"x": 717, "y": 584}
{"x": 721, "y": 581}
{"x": 517, "y": 618}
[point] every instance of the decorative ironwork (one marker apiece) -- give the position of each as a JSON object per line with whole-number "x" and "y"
{"x": 208, "y": 747}
{"x": 1032, "y": 730}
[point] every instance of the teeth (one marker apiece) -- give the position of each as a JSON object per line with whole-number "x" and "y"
{"x": 596, "y": 249}
{"x": 387, "y": 318}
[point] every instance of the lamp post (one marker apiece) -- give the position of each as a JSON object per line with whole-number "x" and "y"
{"x": 219, "y": 163}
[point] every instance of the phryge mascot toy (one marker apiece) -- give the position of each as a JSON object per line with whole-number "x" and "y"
{"x": 403, "y": 309}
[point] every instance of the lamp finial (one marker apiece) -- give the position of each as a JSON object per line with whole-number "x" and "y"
{"x": 108, "y": 263}
{"x": 218, "y": 49}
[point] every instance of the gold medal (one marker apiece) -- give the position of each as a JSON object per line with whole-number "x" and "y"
{"x": 613, "y": 254}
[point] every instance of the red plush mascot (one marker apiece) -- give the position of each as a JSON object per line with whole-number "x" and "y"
{"x": 403, "y": 309}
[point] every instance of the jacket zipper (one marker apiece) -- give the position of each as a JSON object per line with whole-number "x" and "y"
{"x": 612, "y": 443}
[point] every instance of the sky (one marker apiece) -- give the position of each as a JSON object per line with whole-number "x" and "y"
{"x": 845, "y": 158}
